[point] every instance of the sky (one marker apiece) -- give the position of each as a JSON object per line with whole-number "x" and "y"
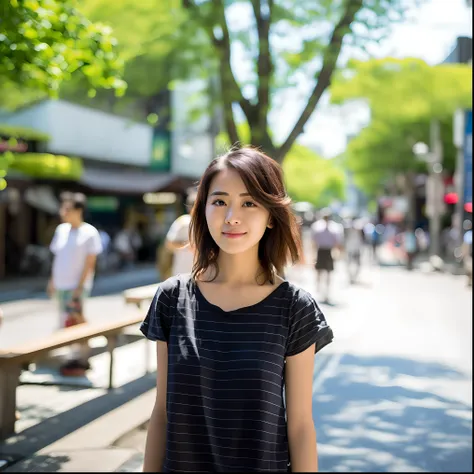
{"x": 429, "y": 34}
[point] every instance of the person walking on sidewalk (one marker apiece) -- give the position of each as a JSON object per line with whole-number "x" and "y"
{"x": 353, "y": 246}
{"x": 233, "y": 334}
{"x": 75, "y": 247}
{"x": 327, "y": 236}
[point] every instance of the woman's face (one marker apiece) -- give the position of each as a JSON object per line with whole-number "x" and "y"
{"x": 235, "y": 220}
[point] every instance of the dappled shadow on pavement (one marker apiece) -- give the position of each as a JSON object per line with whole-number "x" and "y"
{"x": 382, "y": 414}
{"x": 31, "y": 440}
{"x": 43, "y": 463}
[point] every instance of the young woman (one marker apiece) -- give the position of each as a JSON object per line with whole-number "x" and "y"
{"x": 233, "y": 336}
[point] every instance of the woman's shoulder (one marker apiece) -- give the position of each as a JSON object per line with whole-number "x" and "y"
{"x": 298, "y": 296}
{"x": 172, "y": 286}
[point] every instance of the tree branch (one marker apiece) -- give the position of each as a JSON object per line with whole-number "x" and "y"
{"x": 229, "y": 84}
{"x": 330, "y": 58}
{"x": 264, "y": 63}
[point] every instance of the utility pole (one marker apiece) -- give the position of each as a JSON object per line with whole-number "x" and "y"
{"x": 435, "y": 177}
{"x": 458, "y": 139}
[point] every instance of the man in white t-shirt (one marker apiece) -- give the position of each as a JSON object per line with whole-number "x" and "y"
{"x": 177, "y": 241}
{"x": 75, "y": 247}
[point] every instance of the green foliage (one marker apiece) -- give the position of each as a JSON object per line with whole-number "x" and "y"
{"x": 311, "y": 178}
{"x": 46, "y": 165}
{"x": 405, "y": 89}
{"x": 384, "y": 149}
{"x": 22, "y": 132}
{"x": 282, "y": 41}
{"x": 404, "y": 95}
{"x": 43, "y": 42}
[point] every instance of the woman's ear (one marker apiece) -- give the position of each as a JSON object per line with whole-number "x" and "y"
{"x": 270, "y": 224}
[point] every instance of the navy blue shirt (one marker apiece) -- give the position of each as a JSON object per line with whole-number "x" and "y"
{"x": 225, "y": 394}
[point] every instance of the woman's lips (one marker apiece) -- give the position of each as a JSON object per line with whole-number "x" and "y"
{"x": 233, "y": 235}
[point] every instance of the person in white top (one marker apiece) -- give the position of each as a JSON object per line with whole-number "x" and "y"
{"x": 75, "y": 246}
{"x": 353, "y": 245}
{"x": 177, "y": 241}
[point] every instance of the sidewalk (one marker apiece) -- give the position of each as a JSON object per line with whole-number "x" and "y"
{"x": 25, "y": 287}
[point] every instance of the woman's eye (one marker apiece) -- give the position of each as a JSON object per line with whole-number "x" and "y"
{"x": 249, "y": 204}
{"x": 218, "y": 202}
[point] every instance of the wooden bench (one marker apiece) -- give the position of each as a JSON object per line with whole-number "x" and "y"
{"x": 12, "y": 359}
{"x": 140, "y": 294}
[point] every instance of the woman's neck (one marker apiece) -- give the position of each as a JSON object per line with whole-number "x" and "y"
{"x": 238, "y": 269}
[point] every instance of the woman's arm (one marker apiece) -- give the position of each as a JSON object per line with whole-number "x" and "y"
{"x": 299, "y": 407}
{"x": 156, "y": 436}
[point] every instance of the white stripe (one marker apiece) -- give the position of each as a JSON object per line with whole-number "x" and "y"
{"x": 229, "y": 389}
{"x": 231, "y": 351}
{"x": 280, "y": 377}
{"x": 233, "y": 438}
{"x": 245, "y": 323}
{"x": 232, "y": 380}
{"x": 227, "y": 409}
{"x": 230, "y": 428}
{"x": 280, "y": 366}
{"x": 170, "y": 392}
{"x": 226, "y": 456}
{"x": 198, "y": 339}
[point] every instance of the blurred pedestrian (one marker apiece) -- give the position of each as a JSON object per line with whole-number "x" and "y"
{"x": 177, "y": 240}
{"x": 410, "y": 245}
{"x": 353, "y": 245}
{"x": 233, "y": 335}
{"x": 75, "y": 247}
{"x": 327, "y": 237}
{"x": 466, "y": 251}
{"x": 126, "y": 243}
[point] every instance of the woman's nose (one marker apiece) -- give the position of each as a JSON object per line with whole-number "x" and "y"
{"x": 232, "y": 216}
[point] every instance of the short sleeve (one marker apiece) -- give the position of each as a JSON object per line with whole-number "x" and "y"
{"x": 53, "y": 246}
{"x": 307, "y": 326}
{"x": 94, "y": 243}
{"x": 157, "y": 323}
{"x": 179, "y": 230}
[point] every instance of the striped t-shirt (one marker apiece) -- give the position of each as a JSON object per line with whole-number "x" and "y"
{"x": 225, "y": 402}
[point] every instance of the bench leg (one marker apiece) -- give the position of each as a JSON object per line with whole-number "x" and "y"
{"x": 8, "y": 383}
{"x": 111, "y": 345}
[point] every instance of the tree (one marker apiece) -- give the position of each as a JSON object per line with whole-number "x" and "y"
{"x": 404, "y": 96}
{"x": 305, "y": 22}
{"x": 405, "y": 89}
{"x": 308, "y": 176}
{"x": 189, "y": 38}
{"x": 42, "y": 42}
{"x": 383, "y": 150}
{"x": 311, "y": 178}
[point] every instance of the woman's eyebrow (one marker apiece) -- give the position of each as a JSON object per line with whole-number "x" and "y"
{"x": 223, "y": 193}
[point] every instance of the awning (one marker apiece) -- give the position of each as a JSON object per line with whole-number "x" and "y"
{"x": 124, "y": 181}
{"x": 42, "y": 198}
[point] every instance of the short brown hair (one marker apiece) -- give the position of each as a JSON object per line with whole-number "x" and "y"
{"x": 263, "y": 178}
{"x": 77, "y": 200}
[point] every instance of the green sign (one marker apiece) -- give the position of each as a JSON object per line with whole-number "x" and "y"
{"x": 102, "y": 203}
{"x": 161, "y": 151}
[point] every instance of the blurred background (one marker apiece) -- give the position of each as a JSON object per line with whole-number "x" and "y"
{"x": 367, "y": 105}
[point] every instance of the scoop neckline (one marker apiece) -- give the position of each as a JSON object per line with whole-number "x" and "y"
{"x": 241, "y": 309}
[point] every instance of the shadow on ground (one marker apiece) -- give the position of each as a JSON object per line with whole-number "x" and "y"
{"x": 393, "y": 415}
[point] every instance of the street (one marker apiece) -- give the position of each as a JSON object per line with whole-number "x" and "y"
{"x": 396, "y": 391}
{"x": 391, "y": 393}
